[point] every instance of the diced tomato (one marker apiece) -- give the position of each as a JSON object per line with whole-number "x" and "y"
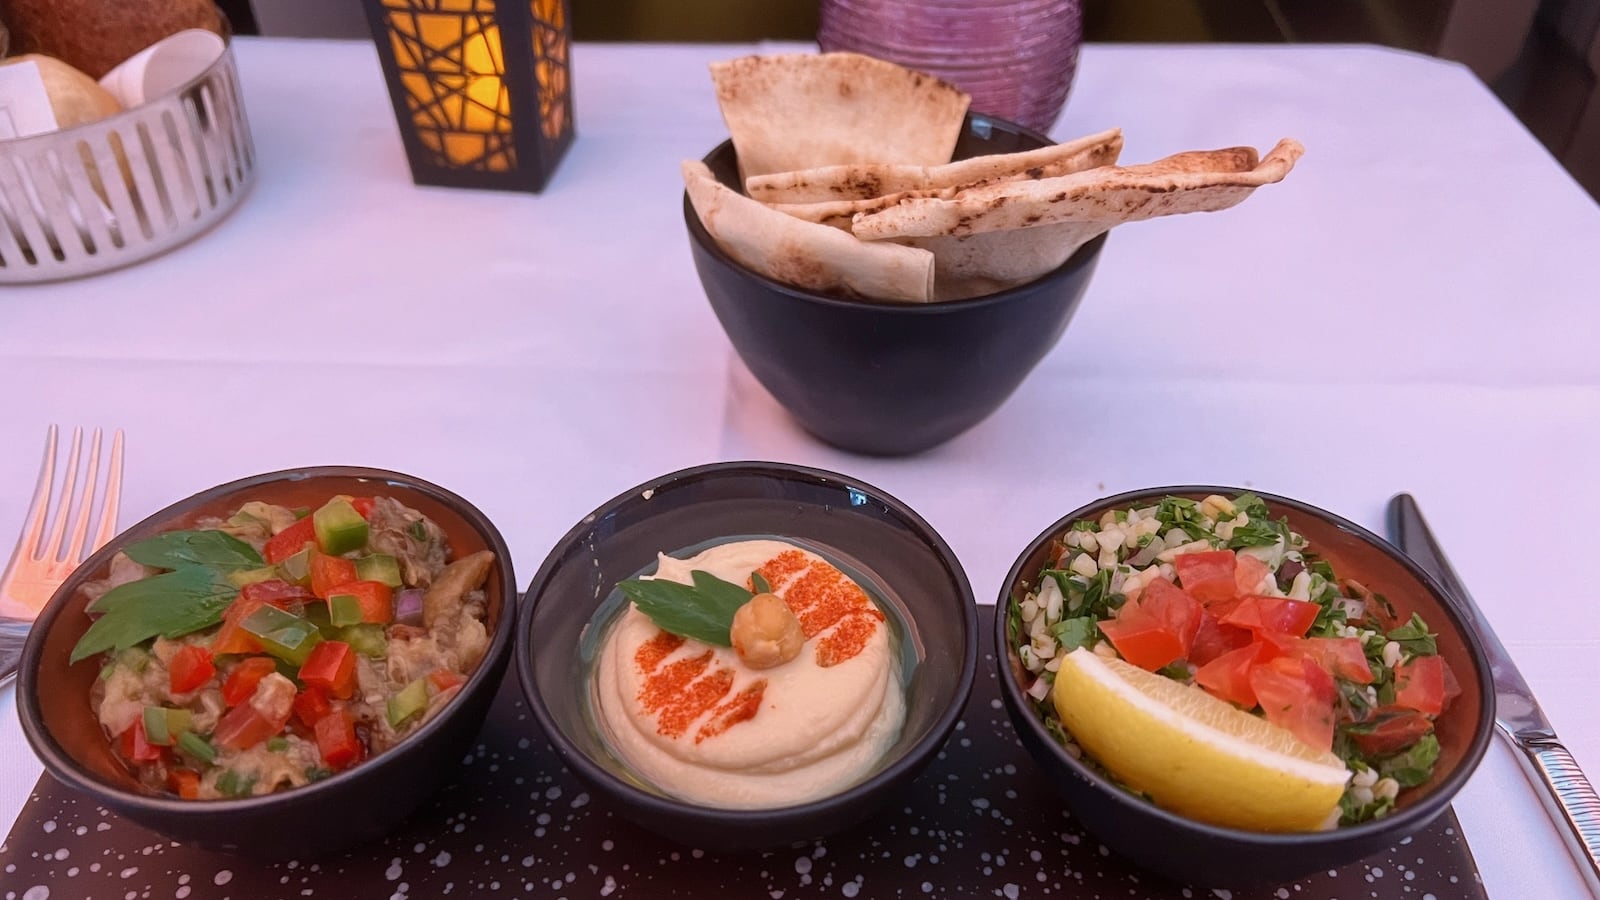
{"x": 245, "y": 726}
{"x": 135, "y": 746}
{"x": 310, "y": 705}
{"x": 328, "y": 572}
{"x": 1278, "y": 614}
{"x": 1452, "y": 687}
{"x": 190, "y": 667}
{"x": 375, "y": 597}
{"x": 331, "y": 667}
{"x": 1174, "y": 607}
{"x": 1207, "y": 576}
{"x": 185, "y": 783}
{"x": 1142, "y": 639}
{"x": 444, "y": 679}
{"x": 288, "y": 542}
{"x": 1296, "y": 695}
{"x": 1214, "y": 639}
{"x": 364, "y": 505}
{"x": 1419, "y": 685}
{"x": 337, "y": 741}
{"x": 1340, "y": 657}
{"x": 1247, "y": 574}
{"x": 241, "y": 682}
{"x": 1228, "y": 675}
{"x": 1391, "y": 730}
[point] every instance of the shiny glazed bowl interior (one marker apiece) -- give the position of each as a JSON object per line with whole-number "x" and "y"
{"x": 1188, "y": 850}
{"x": 889, "y": 378}
{"x": 853, "y": 521}
{"x": 357, "y": 804}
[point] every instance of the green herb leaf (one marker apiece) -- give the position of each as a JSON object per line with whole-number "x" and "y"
{"x": 1074, "y": 633}
{"x": 1415, "y": 765}
{"x": 171, "y": 605}
{"x": 1414, "y": 637}
{"x": 760, "y": 582}
{"x": 178, "y": 549}
{"x": 1259, "y": 533}
{"x": 702, "y": 611}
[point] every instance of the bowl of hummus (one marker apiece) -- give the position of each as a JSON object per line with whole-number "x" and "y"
{"x": 745, "y": 655}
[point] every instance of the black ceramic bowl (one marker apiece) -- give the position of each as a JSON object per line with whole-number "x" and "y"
{"x": 848, "y": 518}
{"x": 1203, "y": 854}
{"x": 355, "y": 805}
{"x": 889, "y": 378}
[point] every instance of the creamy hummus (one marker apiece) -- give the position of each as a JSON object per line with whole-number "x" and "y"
{"x": 698, "y": 724}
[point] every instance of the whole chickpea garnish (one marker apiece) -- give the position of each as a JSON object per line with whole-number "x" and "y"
{"x": 765, "y": 632}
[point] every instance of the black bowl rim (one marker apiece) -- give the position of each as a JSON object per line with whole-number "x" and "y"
{"x": 1403, "y": 820}
{"x": 1081, "y": 257}
{"x": 64, "y": 768}
{"x": 654, "y": 805}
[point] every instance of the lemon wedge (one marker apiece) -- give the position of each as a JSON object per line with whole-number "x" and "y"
{"x": 1193, "y": 754}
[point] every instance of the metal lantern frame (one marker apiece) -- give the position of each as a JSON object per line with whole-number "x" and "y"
{"x": 535, "y": 128}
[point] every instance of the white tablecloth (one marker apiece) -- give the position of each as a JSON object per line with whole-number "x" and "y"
{"x": 1413, "y": 309}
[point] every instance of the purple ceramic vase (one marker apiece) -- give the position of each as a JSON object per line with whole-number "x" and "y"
{"x": 1015, "y": 57}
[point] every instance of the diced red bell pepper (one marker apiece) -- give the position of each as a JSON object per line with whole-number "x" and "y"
{"x": 185, "y": 783}
{"x": 135, "y": 746}
{"x": 231, "y": 638}
{"x": 331, "y": 667}
{"x": 1341, "y": 657}
{"x": 1419, "y": 685}
{"x": 337, "y": 741}
{"x": 288, "y": 542}
{"x": 1207, "y": 576}
{"x": 444, "y": 679}
{"x": 328, "y": 572}
{"x": 1392, "y": 729}
{"x": 375, "y": 597}
{"x": 190, "y": 668}
{"x": 1295, "y": 694}
{"x": 1279, "y": 614}
{"x": 1247, "y": 574}
{"x": 310, "y": 705}
{"x": 274, "y": 592}
{"x": 364, "y": 505}
{"x": 1214, "y": 639}
{"x": 245, "y": 726}
{"x": 241, "y": 682}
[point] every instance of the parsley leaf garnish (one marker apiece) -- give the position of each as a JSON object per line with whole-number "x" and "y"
{"x": 702, "y": 611}
{"x": 178, "y": 549}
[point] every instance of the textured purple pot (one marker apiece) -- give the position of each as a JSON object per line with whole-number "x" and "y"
{"x": 1015, "y": 57}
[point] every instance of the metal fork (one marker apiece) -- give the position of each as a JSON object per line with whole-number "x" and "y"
{"x": 41, "y": 563}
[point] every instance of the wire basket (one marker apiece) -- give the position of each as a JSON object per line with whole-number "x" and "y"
{"x": 128, "y": 187}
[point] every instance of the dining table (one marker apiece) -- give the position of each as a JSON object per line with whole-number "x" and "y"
{"x": 1413, "y": 309}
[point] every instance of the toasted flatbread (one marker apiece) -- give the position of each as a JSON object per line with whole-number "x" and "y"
{"x": 1001, "y": 235}
{"x": 804, "y": 110}
{"x": 805, "y": 254}
{"x": 867, "y": 181}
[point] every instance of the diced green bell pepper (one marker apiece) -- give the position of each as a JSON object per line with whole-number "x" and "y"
{"x": 163, "y": 727}
{"x": 317, "y": 614}
{"x": 411, "y": 701}
{"x": 197, "y": 747}
{"x": 277, "y": 744}
{"x": 252, "y": 576}
{"x": 367, "y": 639}
{"x": 340, "y": 529}
{"x": 296, "y": 568}
{"x": 380, "y": 567}
{"x": 285, "y": 636}
{"x": 344, "y": 609}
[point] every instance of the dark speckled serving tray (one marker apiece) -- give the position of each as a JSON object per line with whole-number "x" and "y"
{"x": 514, "y": 823}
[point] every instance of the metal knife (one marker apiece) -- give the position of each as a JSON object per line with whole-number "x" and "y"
{"x": 1567, "y": 795}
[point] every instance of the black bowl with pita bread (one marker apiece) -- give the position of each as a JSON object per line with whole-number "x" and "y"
{"x": 889, "y": 378}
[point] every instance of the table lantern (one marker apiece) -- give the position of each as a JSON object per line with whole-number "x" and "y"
{"x": 482, "y": 89}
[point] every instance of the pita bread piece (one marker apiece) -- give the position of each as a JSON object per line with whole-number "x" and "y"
{"x": 803, "y": 254}
{"x": 871, "y": 180}
{"x": 999, "y": 236}
{"x": 943, "y": 182}
{"x": 803, "y": 110}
